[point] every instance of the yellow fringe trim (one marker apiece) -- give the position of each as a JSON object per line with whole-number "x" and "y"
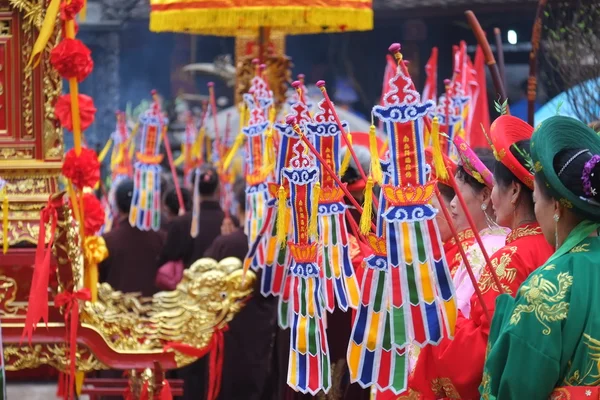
{"x": 235, "y": 21}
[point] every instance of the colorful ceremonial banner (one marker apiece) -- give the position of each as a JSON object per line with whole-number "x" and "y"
{"x": 146, "y": 200}
{"x": 339, "y": 279}
{"x": 407, "y": 295}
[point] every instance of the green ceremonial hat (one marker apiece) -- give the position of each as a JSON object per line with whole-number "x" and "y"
{"x": 550, "y": 138}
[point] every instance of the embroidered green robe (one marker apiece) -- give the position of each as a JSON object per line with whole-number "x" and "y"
{"x": 549, "y": 335}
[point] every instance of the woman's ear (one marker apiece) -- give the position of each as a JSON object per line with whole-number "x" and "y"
{"x": 516, "y": 189}
{"x": 558, "y": 208}
{"x": 485, "y": 195}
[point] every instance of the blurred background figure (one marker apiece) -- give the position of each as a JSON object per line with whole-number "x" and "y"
{"x": 171, "y": 203}
{"x": 132, "y": 254}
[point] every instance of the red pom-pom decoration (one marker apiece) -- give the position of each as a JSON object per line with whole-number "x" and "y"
{"x": 87, "y": 111}
{"x": 72, "y": 59}
{"x": 93, "y": 214}
{"x": 68, "y": 10}
{"x": 82, "y": 170}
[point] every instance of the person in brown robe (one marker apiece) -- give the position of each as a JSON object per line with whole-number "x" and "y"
{"x": 180, "y": 245}
{"x": 131, "y": 264}
{"x": 249, "y": 341}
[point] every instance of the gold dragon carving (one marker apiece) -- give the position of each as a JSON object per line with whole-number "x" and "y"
{"x": 206, "y": 299}
{"x": 56, "y": 355}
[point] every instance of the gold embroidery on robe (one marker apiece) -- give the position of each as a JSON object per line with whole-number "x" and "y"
{"x": 544, "y": 299}
{"x": 522, "y": 232}
{"x": 582, "y": 248}
{"x": 411, "y": 395}
{"x": 443, "y": 387}
{"x": 505, "y": 274}
{"x": 591, "y": 377}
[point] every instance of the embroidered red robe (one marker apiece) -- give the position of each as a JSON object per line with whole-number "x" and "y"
{"x": 454, "y": 368}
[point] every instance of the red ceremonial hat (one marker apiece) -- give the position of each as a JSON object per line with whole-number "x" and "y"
{"x": 504, "y": 132}
{"x": 451, "y": 165}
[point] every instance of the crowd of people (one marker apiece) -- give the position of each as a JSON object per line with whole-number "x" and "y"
{"x": 538, "y": 220}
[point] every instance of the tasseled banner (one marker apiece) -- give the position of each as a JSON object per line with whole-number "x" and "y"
{"x": 314, "y": 218}
{"x": 367, "y": 215}
{"x": 346, "y": 159}
{"x": 438, "y": 158}
{"x": 281, "y": 216}
{"x": 376, "y": 171}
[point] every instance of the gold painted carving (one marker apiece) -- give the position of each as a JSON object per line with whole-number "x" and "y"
{"x": 277, "y": 74}
{"x": 16, "y": 153}
{"x": 26, "y": 49}
{"x": 9, "y": 308}
{"x": 207, "y": 298}
{"x": 56, "y": 355}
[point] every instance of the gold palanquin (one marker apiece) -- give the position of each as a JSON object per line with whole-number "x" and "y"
{"x": 120, "y": 330}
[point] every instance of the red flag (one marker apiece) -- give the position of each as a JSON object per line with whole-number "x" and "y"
{"x": 431, "y": 70}
{"x": 481, "y": 112}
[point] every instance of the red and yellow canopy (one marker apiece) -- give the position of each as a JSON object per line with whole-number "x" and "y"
{"x": 236, "y": 17}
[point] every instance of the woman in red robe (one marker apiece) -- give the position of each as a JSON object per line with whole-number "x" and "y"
{"x": 454, "y": 368}
{"x": 465, "y": 237}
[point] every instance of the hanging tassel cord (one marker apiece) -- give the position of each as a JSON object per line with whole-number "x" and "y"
{"x": 463, "y": 205}
{"x": 327, "y": 168}
{"x": 462, "y": 252}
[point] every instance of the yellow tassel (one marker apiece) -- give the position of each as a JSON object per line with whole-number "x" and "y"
{"x": 313, "y": 226}
{"x": 4, "y": 221}
{"x": 239, "y": 140}
{"x": 376, "y": 171}
{"x": 179, "y": 160}
{"x": 365, "y": 218}
{"x": 438, "y": 158}
{"x": 346, "y": 159}
{"x": 281, "y": 217}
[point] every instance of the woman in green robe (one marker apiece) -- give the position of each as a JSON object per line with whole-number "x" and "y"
{"x": 545, "y": 343}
